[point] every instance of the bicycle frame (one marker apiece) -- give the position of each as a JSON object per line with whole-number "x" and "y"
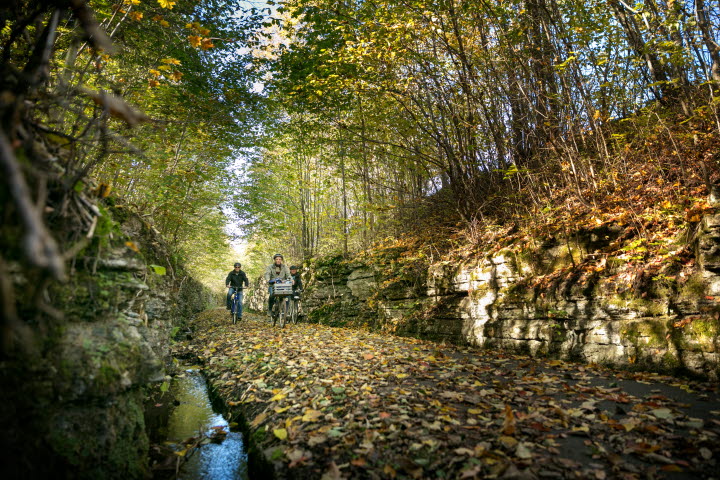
{"x": 282, "y": 291}
{"x": 235, "y": 305}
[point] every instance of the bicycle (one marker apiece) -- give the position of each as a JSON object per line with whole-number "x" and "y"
{"x": 295, "y": 307}
{"x": 236, "y": 305}
{"x": 280, "y": 310}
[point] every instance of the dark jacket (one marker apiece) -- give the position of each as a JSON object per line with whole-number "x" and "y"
{"x": 237, "y": 279}
{"x": 298, "y": 281}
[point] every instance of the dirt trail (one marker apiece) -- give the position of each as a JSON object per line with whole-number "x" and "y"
{"x": 320, "y": 402}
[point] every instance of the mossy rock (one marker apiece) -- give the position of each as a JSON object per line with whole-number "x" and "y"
{"x": 102, "y": 441}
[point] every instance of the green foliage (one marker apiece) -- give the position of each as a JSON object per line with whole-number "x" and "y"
{"x": 488, "y": 109}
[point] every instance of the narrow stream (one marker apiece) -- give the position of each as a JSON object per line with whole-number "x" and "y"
{"x": 214, "y": 461}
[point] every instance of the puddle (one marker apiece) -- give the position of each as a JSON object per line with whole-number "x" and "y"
{"x": 193, "y": 414}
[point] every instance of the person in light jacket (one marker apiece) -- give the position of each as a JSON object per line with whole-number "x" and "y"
{"x": 274, "y": 271}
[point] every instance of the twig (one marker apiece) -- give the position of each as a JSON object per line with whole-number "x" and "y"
{"x": 40, "y": 248}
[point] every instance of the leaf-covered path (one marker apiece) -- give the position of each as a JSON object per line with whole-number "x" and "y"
{"x": 336, "y": 403}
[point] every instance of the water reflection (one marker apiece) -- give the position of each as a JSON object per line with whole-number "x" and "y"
{"x": 223, "y": 461}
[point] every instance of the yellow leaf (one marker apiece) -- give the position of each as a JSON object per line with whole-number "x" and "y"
{"x": 164, "y": 23}
{"x": 132, "y": 246}
{"x": 278, "y": 397}
{"x": 280, "y": 433}
{"x": 258, "y": 420}
{"x": 156, "y": 73}
{"x": 166, "y": 4}
{"x": 311, "y": 415}
{"x": 153, "y": 83}
{"x": 194, "y": 40}
{"x": 171, "y": 61}
{"x": 176, "y": 76}
{"x": 137, "y": 16}
{"x": 164, "y": 68}
{"x": 207, "y": 44}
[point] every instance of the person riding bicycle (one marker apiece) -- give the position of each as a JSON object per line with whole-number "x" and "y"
{"x": 235, "y": 282}
{"x": 297, "y": 285}
{"x": 274, "y": 271}
{"x": 297, "y": 281}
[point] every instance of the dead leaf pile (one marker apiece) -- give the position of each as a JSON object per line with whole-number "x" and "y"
{"x": 334, "y": 403}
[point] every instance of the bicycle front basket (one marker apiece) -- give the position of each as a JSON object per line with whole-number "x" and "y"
{"x": 283, "y": 288}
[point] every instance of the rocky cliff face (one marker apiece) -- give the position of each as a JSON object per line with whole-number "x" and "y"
{"x": 73, "y": 391}
{"x": 562, "y": 298}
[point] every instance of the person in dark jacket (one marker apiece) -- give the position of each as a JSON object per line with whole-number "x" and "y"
{"x": 236, "y": 281}
{"x": 297, "y": 281}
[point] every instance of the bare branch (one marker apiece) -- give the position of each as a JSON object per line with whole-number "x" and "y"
{"x": 40, "y": 248}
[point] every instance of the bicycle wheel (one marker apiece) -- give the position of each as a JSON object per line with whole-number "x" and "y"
{"x": 234, "y": 309}
{"x": 293, "y": 312}
{"x": 283, "y": 312}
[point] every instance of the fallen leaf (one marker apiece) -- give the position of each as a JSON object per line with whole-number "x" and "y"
{"x": 509, "y": 421}
{"x": 258, "y": 420}
{"x": 523, "y": 451}
{"x": 311, "y": 415}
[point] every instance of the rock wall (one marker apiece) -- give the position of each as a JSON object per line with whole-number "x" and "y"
{"x": 563, "y": 298}
{"x": 74, "y": 388}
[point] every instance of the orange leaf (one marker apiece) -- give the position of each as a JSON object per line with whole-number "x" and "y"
{"x": 509, "y": 423}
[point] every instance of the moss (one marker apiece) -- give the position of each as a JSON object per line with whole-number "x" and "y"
{"x": 259, "y": 436}
{"x": 693, "y": 288}
{"x": 107, "y": 377}
{"x": 103, "y": 443}
{"x": 643, "y": 306}
{"x": 705, "y": 328}
{"x": 670, "y": 361}
{"x": 645, "y": 334}
{"x": 331, "y": 313}
{"x": 517, "y": 292}
{"x": 558, "y": 333}
{"x": 649, "y": 308}
{"x": 480, "y": 290}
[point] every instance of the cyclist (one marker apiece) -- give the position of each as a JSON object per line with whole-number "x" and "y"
{"x": 274, "y": 271}
{"x": 236, "y": 281}
{"x": 297, "y": 285}
{"x": 297, "y": 281}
